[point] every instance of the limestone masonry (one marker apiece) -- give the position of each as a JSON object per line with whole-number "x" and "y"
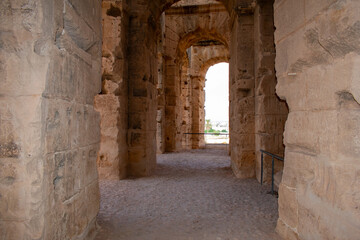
{"x": 95, "y": 89}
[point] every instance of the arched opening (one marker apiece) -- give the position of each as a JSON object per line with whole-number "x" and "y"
{"x": 50, "y": 133}
{"x": 187, "y": 48}
{"x": 217, "y": 105}
{"x": 189, "y": 39}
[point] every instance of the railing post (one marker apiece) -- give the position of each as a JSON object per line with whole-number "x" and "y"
{"x": 272, "y": 176}
{"x": 262, "y": 165}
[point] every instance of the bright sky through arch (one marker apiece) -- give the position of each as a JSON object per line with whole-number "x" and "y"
{"x": 217, "y": 93}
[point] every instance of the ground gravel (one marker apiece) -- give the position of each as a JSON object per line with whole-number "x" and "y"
{"x": 192, "y": 196}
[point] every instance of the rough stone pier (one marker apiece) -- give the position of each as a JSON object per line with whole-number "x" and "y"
{"x": 192, "y": 195}
{"x": 92, "y": 90}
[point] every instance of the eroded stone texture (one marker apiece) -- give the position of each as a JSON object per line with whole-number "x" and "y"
{"x": 206, "y": 26}
{"x": 160, "y": 118}
{"x": 50, "y": 58}
{"x": 202, "y": 57}
{"x": 317, "y": 67}
{"x": 194, "y": 3}
{"x": 49, "y": 131}
{"x": 242, "y": 93}
{"x": 270, "y": 112}
{"x": 112, "y": 103}
{"x": 142, "y": 77}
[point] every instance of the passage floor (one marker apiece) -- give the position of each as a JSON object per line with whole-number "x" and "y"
{"x": 192, "y": 196}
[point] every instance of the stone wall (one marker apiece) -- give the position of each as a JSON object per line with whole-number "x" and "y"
{"x": 183, "y": 30}
{"x": 194, "y": 2}
{"x": 270, "y": 112}
{"x": 241, "y": 95}
{"x": 142, "y": 79}
{"x": 160, "y": 118}
{"x": 202, "y": 58}
{"x": 112, "y": 103}
{"x": 317, "y": 64}
{"x": 186, "y": 100}
{"x": 49, "y": 132}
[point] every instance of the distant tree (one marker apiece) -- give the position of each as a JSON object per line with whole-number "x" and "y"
{"x": 224, "y": 131}
{"x": 208, "y": 125}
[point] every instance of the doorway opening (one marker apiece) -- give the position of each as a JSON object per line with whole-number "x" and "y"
{"x": 217, "y": 105}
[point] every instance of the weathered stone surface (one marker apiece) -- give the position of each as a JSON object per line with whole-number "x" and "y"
{"x": 50, "y": 66}
{"x": 316, "y": 80}
{"x": 242, "y": 103}
{"x": 112, "y": 104}
{"x": 46, "y": 114}
{"x": 185, "y": 68}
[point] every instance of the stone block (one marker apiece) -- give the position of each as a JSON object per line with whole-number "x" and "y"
{"x": 309, "y": 227}
{"x": 78, "y": 29}
{"x": 245, "y": 105}
{"x": 90, "y": 12}
{"x": 71, "y": 184}
{"x": 13, "y": 230}
{"x": 58, "y": 122}
{"x": 92, "y": 125}
{"x": 137, "y": 121}
{"x": 89, "y": 157}
{"x": 63, "y": 76}
{"x": 268, "y": 142}
{"x": 138, "y": 138}
{"x": 15, "y": 81}
{"x": 313, "y": 8}
{"x": 285, "y": 231}
{"x": 138, "y": 104}
{"x": 270, "y": 105}
{"x": 285, "y": 59}
{"x": 245, "y": 142}
{"x": 265, "y": 85}
{"x": 348, "y": 138}
{"x": 325, "y": 218}
{"x": 243, "y": 163}
{"x": 288, "y": 17}
{"x": 14, "y": 197}
{"x": 243, "y": 123}
{"x": 107, "y": 103}
{"x": 245, "y": 84}
{"x": 93, "y": 205}
{"x": 312, "y": 132}
{"x": 288, "y": 206}
{"x": 265, "y": 124}
{"x": 136, "y": 167}
{"x": 299, "y": 168}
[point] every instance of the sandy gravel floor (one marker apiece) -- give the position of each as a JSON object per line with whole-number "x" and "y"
{"x": 192, "y": 196}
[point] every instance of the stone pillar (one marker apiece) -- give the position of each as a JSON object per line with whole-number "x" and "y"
{"x": 172, "y": 107}
{"x": 270, "y": 111}
{"x": 142, "y": 73}
{"x": 186, "y": 108}
{"x": 242, "y": 115}
{"x": 112, "y": 102}
{"x": 317, "y": 66}
{"x": 198, "y": 113}
{"x": 160, "y": 118}
{"x": 50, "y": 60}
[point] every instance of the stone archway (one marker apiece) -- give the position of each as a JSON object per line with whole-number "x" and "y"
{"x": 214, "y": 32}
{"x": 48, "y": 175}
{"x": 204, "y": 58}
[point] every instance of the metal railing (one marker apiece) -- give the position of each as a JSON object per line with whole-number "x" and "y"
{"x": 272, "y": 167}
{"x": 217, "y": 134}
{"x": 227, "y": 135}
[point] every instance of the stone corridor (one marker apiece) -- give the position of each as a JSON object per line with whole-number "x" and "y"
{"x": 192, "y": 195}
